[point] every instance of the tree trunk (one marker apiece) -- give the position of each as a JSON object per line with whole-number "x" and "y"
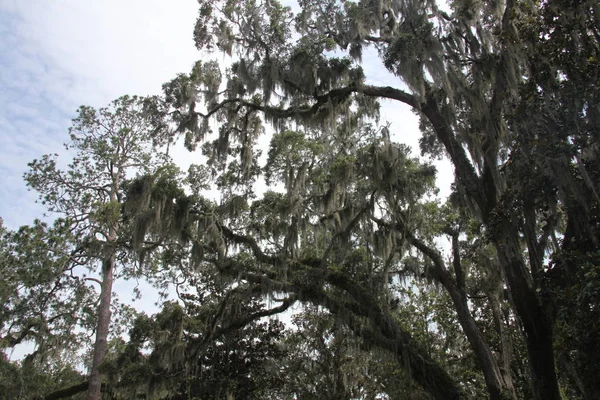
{"x": 102, "y": 328}
{"x": 485, "y": 358}
{"x": 506, "y": 347}
{"x": 537, "y": 326}
{"x": 536, "y": 323}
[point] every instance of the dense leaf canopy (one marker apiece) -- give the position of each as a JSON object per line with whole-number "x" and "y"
{"x": 491, "y": 292}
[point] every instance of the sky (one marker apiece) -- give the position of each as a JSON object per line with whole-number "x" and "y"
{"x": 60, "y": 54}
{"x": 57, "y": 55}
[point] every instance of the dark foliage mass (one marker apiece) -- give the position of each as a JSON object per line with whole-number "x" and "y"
{"x": 490, "y": 293}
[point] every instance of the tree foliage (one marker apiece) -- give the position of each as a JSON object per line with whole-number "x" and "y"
{"x": 99, "y": 232}
{"x": 483, "y": 294}
{"x": 475, "y": 73}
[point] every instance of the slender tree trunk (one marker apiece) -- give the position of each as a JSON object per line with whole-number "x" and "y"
{"x": 102, "y": 328}
{"x": 104, "y": 315}
{"x": 485, "y": 358}
{"x": 536, "y": 323}
{"x": 506, "y": 347}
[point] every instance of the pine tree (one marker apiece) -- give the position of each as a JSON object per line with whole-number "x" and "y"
{"x": 108, "y": 224}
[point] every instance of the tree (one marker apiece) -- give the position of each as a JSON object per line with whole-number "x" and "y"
{"x": 506, "y": 91}
{"x": 462, "y": 72}
{"x": 27, "y": 380}
{"x": 325, "y": 359}
{"x": 43, "y": 298}
{"x": 208, "y": 344}
{"x": 111, "y": 145}
{"x": 556, "y": 126}
{"x": 322, "y": 240}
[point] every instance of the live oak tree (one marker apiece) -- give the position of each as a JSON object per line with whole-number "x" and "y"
{"x": 328, "y": 238}
{"x": 110, "y": 146}
{"x": 506, "y": 91}
{"x": 495, "y": 96}
{"x": 389, "y": 236}
{"x": 325, "y": 359}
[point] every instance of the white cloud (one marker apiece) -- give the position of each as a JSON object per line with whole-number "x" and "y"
{"x": 57, "y": 55}
{"x": 117, "y": 46}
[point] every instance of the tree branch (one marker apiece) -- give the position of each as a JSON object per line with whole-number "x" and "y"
{"x": 386, "y": 333}
{"x": 474, "y": 335}
{"x": 249, "y": 242}
{"x": 70, "y": 391}
{"x": 456, "y": 263}
{"x": 67, "y": 392}
{"x": 335, "y": 96}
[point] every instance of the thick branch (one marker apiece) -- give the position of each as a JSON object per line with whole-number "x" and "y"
{"x": 489, "y": 366}
{"x": 377, "y": 39}
{"x": 240, "y": 323}
{"x": 458, "y": 269}
{"x": 249, "y": 242}
{"x": 536, "y": 255}
{"x": 334, "y": 96}
{"x": 424, "y": 370}
{"x": 13, "y": 341}
{"x": 70, "y": 391}
{"x": 463, "y": 168}
{"x": 67, "y": 392}
{"x": 348, "y": 227}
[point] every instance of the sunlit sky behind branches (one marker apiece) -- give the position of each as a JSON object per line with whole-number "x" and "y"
{"x": 56, "y": 55}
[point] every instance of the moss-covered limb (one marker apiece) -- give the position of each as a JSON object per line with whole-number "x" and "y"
{"x": 333, "y": 97}
{"x": 463, "y": 168}
{"x": 456, "y": 289}
{"x": 504, "y": 69}
{"x": 241, "y": 322}
{"x": 67, "y": 392}
{"x": 251, "y": 243}
{"x": 70, "y": 391}
{"x": 198, "y": 345}
{"x": 424, "y": 370}
{"x": 235, "y": 295}
{"x": 389, "y": 334}
{"x": 385, "y": 333}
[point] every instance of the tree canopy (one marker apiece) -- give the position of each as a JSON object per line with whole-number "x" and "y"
{"x": 492, "y": 292}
